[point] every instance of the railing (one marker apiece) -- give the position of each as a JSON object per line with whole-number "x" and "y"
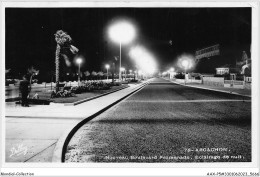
{"x": 234, "y": 84}
{"x": 227, "y": 81}
{"x": 238, "y": 82}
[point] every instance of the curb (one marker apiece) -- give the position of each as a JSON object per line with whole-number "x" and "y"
{"x": 62, "y": 143}
{"x": 59, "y": 117}
{"x": 44, "y": 117}
{"x": 216, "y": 90}
{"x": 94, "y": 97}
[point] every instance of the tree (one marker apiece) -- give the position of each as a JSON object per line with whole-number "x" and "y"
{"x": 86, "y": 73}
{"x": 32, "y": 72}
{"x": 100, "y": 74}
{"x": 63, "y": 42}
{"x": 93, "y": 74}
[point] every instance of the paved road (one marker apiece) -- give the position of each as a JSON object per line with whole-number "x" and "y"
{"x": 166, "y": 122}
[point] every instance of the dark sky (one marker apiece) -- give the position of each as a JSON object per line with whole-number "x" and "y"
{"x": 30, "y": 33}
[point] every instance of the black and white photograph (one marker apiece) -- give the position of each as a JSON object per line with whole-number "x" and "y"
{"x": 129, "y": 85}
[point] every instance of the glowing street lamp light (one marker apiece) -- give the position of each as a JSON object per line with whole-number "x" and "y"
{"x": 79, "y": 61}
{"x": 121, "y": 32}
{"x": 122, "y": 69}
{"x": 185, "y": 64}
{"x": 143, "y": 58}
{"x": 107, "y": 67}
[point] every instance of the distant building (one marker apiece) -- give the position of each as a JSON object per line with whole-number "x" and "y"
{"x": 242, "y": 69}
{"x": 222, "y": 59}
{"x": 228, "y": 70}
{"x": 222, "y": 71}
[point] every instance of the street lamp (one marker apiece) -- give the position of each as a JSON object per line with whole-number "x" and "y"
{"x": 107, "y": 67}
{"x": 185, "y": 64}
{"x": 143, "y": 58}
{"x": 122, "y": 70}
{"x": 171, "y": 72}
{"x": 130, "y": 72}
{"x": 79, "y": 61}
{"x": 67, "y": 78}
{"x": 121, "y": 32}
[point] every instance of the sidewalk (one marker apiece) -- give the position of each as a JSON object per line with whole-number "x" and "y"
{"x": 32, "y": 132}
{"x": 237, "y": 91}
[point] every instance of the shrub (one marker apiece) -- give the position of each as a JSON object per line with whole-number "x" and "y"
{"x": 90, "y": 86}
{"x": 179, "y": 76}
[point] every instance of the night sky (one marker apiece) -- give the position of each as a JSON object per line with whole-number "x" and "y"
{"x": 30, "y": 34}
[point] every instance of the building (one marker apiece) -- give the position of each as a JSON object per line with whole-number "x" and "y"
{"x": 222, "y": 59}
{"x": 228, "y": 72}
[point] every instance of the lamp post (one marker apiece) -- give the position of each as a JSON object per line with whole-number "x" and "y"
{"x": 171, "y": 72}
{"x": 130, "y": 72}
{"x": 121, "y": 32}
{"x": 185, "y": 64}
{"x": 135, "y": 75}
{"x": 122, "y": 70}
{"x": 107, "y": 67}
{"x": 67, "y": 78}
{"x": 79, "y": 61}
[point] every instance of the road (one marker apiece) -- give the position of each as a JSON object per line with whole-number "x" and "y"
{"x": 167, "y": 122}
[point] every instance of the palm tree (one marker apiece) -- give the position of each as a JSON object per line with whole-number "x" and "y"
{"x": 63, "y": 41}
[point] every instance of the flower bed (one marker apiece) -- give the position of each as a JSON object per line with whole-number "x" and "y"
{"x": 86, "y": 90}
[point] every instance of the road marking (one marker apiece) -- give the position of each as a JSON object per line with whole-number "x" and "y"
{"x": 160, "y": 83}
{"x": 184, "y": 101}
